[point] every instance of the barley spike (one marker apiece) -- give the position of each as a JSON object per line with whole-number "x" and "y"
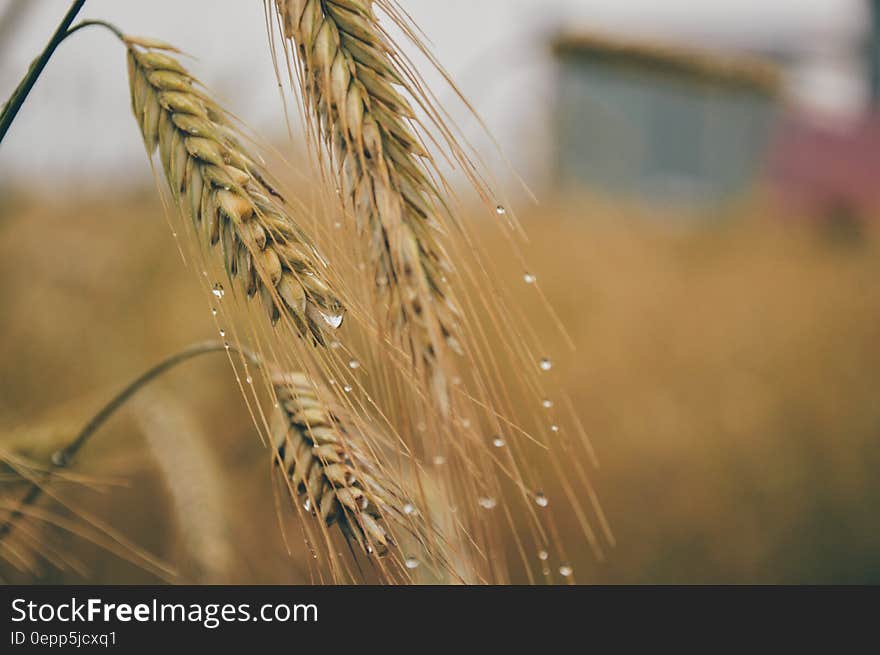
{"x": 227, "y": 194}
{"x": 352, "y": 86}
{"x": 330, "y": 468}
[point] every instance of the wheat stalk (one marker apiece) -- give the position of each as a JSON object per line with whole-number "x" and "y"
{"x": 330, "y": 466}
{"x": 194, "y": 483}
{"x": 226, "y": 193}
{"x": 349, "y": 82}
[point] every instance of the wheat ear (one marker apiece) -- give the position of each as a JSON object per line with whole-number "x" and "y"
{"x": 330, "y": 467}
{"x": 350, "y": 83}
{"x": 219, "y": 185}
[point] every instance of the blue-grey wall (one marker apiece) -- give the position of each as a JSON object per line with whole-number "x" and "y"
{"x": 640, "y": 133}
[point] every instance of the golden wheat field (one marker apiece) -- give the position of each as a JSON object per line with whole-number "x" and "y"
{"x": 727, "y": 376}
{"x": 358, "y": 350}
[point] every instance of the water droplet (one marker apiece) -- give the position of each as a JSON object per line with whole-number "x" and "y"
{"x": 335, "y": 345}
{"x": 218, "y": 291}
{"x": 333, "y": 320}
{"x": 347, "y": 388}
{"x": 439, "y": 460}
{"x": 456, "y": 380}
{"x": 59, "y": 458}
{"x": 382, "y": 281}
{"x": 547, "y": 403}
{"x": 487, "y": 502}
{"x": 214, "y": 311}
{"x": 412, "y": 563}
{"x": 565, "y": 570}
{"x": 222, "y": 332}
{"x": 500, "y": 210}
{"x": 541, "y": 500}
{"x": 226, "y": 345}
{"x": 337, "y": 225}
{"x": 543, "y": 555}
{"x": 529, "y": 278}
{"x": 465, "y": 423}
{"x": 409, "y": 509}
{"x": 554, "y": 428}
{"x": 498, "y": 442}
{"x": 354, "y": 364}
{"x": 545, "y": 364}
{"x": 249, "y": 379}
{"x": 307, "y": 506}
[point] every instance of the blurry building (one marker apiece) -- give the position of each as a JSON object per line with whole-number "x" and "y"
{"x": 696, "y": 128}
{"x": 662, "y": 124}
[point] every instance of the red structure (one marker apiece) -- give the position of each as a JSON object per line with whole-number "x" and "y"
{"x": 825, "y": 171}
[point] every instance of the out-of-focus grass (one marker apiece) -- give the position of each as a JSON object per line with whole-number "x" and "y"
{"x": 728, "y": 376}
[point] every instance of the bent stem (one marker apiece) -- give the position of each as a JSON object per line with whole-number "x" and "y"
{"x": 95, "y": 23}
{"x": 62, "y": 458}
{"x": 16, "y": 100}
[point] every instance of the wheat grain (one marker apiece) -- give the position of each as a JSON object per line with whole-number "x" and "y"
{"x": 330, "y": 467}
{"x": 349, "y": 81}
{"x": 219, "y": 185}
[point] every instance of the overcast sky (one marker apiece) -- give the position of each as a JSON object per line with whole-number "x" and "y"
{"x": 77, "y": 119}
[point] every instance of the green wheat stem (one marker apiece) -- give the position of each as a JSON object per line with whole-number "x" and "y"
{"x": 62, "y": 457}
{"x": 16, "y": 100}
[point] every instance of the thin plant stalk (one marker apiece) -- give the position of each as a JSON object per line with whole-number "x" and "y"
{"x": 16, "y": 100}
{"x": 62, "y": 458}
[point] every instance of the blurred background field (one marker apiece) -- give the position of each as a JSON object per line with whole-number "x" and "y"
{"x": 728, "y": 378}
{"x": 723, "y": 301}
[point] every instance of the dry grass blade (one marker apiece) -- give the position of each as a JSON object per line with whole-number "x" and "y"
{"x": 225, "y": 192}
{"x": 350, "y": 82}
{"x": 331, "y": 470}
{"x": 195, "y": 486}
